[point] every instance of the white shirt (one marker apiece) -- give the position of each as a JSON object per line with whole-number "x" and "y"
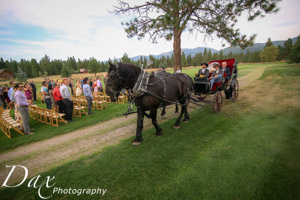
{"x": 65, "y": 92}
{"x": 42, "y": 89}
{"x": 87, "y": 90}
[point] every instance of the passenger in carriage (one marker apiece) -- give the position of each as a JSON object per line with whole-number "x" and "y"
{"x": 216, "y": 76}
{"x": 226, "y": 70}
{"x": 204, "y": 72}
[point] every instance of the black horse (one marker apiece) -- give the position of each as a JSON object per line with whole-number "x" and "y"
{"x": 159, "y": 92}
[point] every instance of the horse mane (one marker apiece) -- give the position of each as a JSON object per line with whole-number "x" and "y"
{"x": 128, "y": 72}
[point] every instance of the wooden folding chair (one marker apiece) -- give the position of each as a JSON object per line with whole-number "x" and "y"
{"x": 57, "y": 117}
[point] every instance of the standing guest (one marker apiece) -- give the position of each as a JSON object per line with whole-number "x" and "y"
{"x": 95, "y": 86}
{"x": 99, "y": 84}
{"x": 78, "y": 88}
{"x": 66, "y": 95}
{"x": 42, "y": 91}
{"x": 105, "y": 77}
{"x": 47, "y": 96}
{"x": 178, "y": 70}
{"x": 58, "y": 99}
{"x": 50, "y": 91}
{"x": 28, "y": 92}
{"x": 10, "y": 91}
{"x": 2, "y": 98}
{"x": 71, "y": 85}
{"x": 10, "y": 94}
{"x": 88, "y": 94}
{"x": 22, "y": 103}
{"x": 5, "y": 93}
{"x": 33, "y": 86}
{"x": 91, "y": 85}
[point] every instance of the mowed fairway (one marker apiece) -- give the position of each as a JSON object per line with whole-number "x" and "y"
{"x": 250, "y": 150}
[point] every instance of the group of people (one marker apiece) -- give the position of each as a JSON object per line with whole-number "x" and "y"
{"x": 56, "y": 95}
{"x": 96, "y": 85}
{"x": 6, "y": 93}
{"x": 217, "y": 73}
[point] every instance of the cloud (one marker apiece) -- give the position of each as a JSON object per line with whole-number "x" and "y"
{"x": 85, "y": 28}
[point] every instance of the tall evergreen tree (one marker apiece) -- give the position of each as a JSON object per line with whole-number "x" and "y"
{"x": 93, "y": 66}
{"x": 189, "y": 60}
{"x": 294, "y": 56}
{"x": 20, "y": 75}
{"x": 269, "y": 43}
{"x": 2, "y": 64}
{"x": 269, "y": 54}
{"x": 210, "y": 17}
{"x": 35, "y": 68}
{"x": 287, "y": 47}
{"x": 183, "y": 60}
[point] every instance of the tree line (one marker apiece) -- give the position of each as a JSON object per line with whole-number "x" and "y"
{"x": 47, "y": 67}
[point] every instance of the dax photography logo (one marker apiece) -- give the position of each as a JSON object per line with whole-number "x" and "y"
{"x": 48, "y": 182}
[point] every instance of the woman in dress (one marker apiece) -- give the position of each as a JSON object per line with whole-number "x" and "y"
{"x": 28, "y": 92}
{"x": 95, "y": 86}
{"x": 78, "y": 88}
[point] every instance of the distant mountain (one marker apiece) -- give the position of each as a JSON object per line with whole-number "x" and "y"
{"x": 255, "y": 47}
{"x": 186, "y": 51}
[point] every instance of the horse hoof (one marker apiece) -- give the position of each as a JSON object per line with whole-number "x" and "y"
{"x": 163, "y": 117}
{"x": 159, "y": 133}
{"x": 185, "y": 120}
{"x": 176, "y": 127}
{"x": 136, "y": 143}
{"x": 176, "y": 113}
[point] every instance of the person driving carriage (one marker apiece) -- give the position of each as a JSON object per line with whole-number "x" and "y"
{"x": 204, "y": 72}
{"x": 216, "y": 76}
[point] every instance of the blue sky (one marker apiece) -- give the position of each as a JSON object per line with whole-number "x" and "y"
{"x": 84, "y": 29}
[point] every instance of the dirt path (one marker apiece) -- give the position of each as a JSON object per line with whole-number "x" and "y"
{"x": 43, "y": 155}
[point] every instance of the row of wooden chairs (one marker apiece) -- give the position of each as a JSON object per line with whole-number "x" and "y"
{"x": 46, "y": 116}
{"x": 79, "y": 106}
{"x": 7, "y": 123}
{"x": 98, "y": 102}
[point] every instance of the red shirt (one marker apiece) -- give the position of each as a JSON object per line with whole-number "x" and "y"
{"x": 56, "y": 94}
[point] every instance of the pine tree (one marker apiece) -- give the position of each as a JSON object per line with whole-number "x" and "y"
{"x": 34, "y": 68}
{"x": 2, "y": 64}
{"x": 189, "y": 60}
{"x": 183, "y": 60}
{"x": 20, "y": 75}
{"x": 287, "y": 47}
{"x": 93, "y": 66}
{"x": 65, "y": 71}
{"x": 269, "y": 54}
{"x": 294, "y": 56}
{"x": 269, "y": 43}
{"x": 280, "y": 53}
{"x": 206, "y": 16}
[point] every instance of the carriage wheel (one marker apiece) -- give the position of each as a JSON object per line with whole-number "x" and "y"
{"x": 235, "y": 90}
{"x": 218, "y": 102}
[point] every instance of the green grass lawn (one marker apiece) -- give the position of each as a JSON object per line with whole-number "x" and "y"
{"x": 247, "y": 151}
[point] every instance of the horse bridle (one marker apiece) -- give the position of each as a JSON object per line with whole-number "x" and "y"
{"x": 112, "y": 74}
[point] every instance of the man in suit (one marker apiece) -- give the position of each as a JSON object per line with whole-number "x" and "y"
{"x": 204, "y": 72}
{"x": 216, "y": 76}
{"x": 226, "y": 70}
